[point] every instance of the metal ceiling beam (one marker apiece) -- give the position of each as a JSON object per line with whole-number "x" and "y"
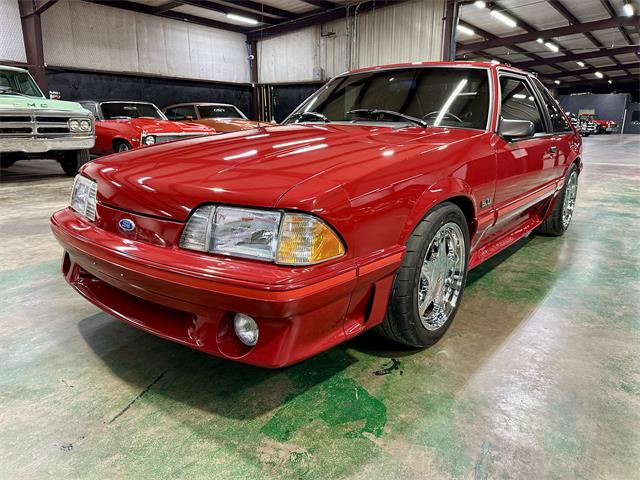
{"x": 612, "y": 13}
{"x": 323, "y": 4}
{"x": 266, "y": 9}
{"x": 320, "y": 17}
{"x": 626, "y": 80}
{"x": 224, "y": 9}
{"x": 140, "y": 8}
{"x": 578, "y": 56}
{"x": 585, "y": 71}
{"x": 166, "y": 7}
{"x": 571, "y": 18}
{"x": 551, "y": 33}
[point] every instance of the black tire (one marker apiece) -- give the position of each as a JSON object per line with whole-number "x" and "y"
{"x": 402, "y": 322}
{"x": 73, "y": 160}
{"x": 554, "y": 225}
{"x": 121, "y": 146}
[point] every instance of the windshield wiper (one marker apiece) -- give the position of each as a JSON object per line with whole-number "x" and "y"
{"x": 310, "y": 115}
{"x": 376, "y": 111}
{"x": 11, "y": 90}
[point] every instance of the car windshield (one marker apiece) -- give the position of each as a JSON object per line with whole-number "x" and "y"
{"x": 428, "y": 96}
{"x": 120, "y": 110}
{"x": 18, "y": 83}
{"x": 219, "y": 111}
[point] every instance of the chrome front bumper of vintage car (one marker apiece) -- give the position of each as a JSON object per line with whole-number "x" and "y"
{"x": 43, "y": 145}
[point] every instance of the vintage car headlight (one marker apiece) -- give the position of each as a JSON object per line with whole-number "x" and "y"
{"x": 83, "y": 196}
{"x": 74, "y": 125}
{"x": 85, "y": 125}
{"x": 282, "y": 237}
{"x": 149, "y": 140}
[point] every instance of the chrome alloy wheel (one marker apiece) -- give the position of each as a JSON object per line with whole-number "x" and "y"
{"x": 569, "y": 204}
{"x": 441, "y": 276}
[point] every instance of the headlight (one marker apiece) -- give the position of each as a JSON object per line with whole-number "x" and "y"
{"x": 79, "y": 125}
{"x": 149, "y": 140}
{"x": 281, "y": 237}
{"x": 83, "y": 196}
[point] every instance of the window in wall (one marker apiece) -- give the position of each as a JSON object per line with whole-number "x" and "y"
{"x": 519, "y": 103}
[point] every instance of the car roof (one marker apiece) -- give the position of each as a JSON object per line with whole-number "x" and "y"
{"x": 487, "y": 65}
{"x": 13, "y": 69}
{"x": 112, "y": 100}
{"x": 208, "y": 104}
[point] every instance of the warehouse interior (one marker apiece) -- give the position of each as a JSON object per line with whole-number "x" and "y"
{"x": 537, "y": 377}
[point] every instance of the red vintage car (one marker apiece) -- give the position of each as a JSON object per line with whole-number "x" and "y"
{"x": 602, "y": 126}
{"x": 365, "y": 209}
{"x": 123, "y": 125}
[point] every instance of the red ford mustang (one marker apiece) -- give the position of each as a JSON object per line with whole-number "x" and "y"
{"x": 121, "y": 126}
{"x": 365, "y": 209}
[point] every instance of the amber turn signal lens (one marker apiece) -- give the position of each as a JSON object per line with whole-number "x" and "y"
{"x": 305, "y": 240}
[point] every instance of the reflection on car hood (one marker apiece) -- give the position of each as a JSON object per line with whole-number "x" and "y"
{"x": 253, "y": 167}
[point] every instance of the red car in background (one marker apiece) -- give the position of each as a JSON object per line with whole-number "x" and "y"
{"x": 122, "y": 126}
{"x": 365, "y": 209}
{"x": 602, "y": 126}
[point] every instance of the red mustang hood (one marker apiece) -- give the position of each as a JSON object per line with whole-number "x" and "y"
{"x": 151, "y": 126}
{"x": 253, "y": 167}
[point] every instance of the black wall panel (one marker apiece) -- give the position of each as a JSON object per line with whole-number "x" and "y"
{"x": 287, "y": 97}
{"x": 608, "y": 106}
{"x": 632, "y": 122}
{"x": 78, "y": 85}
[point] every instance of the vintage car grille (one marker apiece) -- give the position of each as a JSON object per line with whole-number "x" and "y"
{"x": 37, "y": 124}
{"x": 171, "y": 138}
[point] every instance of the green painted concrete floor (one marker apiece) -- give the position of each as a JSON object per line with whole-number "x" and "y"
{"x": 539, "y": 376}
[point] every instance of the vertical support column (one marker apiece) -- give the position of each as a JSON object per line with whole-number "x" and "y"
{"x": 32, "y": 34}
{"x": 450, "y": 23}
{"x": 253, "y": 48}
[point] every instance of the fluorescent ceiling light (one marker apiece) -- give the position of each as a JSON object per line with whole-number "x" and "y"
{"x": 480, "y": 4}
{"x": 557, "y": 82}
{"x": 540, "y": 40}
{"x": 465, "y": 30}
{"x": 552, "y": 46}
{"x": 610, "y": 81}
{"x": 240, "y": 18}
{"x": 628, "y": 9}
{"x": 503, "y": 18}
{"x": 599, "y": 75}
{"x": 580, "y": 63}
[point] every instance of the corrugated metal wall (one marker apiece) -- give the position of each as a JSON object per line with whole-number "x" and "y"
{"x": 11, "y": 42}
{"x": 83, "y": 35}
{"x": 408, "y": 32}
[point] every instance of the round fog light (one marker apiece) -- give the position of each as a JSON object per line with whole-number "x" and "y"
{"x": 246, "y": 329}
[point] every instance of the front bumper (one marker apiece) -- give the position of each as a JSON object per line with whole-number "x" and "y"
{"x": 300, "y": 313}
{"x": 43, "y": 145}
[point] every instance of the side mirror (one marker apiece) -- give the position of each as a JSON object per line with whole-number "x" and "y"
{"x": 512, "y": 130}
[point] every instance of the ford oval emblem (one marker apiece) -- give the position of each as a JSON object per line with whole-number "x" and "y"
{"x": 126, "y": 225}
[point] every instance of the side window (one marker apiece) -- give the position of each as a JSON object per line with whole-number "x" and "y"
{"x": 558, "y": 120}
{"x": 519, "y": 103}
{"x": 181, "y": 113}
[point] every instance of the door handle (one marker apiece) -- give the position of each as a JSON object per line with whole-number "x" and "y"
{"x": 553, "y": 149}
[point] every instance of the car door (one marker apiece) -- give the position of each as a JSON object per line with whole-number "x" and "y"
{"x": 563, "y": 139}
{"x": 525, "y": 167}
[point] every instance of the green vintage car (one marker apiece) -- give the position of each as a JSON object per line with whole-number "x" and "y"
{"x": 32, "y": 126}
